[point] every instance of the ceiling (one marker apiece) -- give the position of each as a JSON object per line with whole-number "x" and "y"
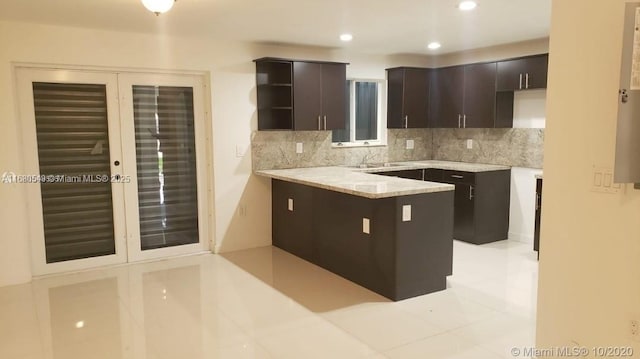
{"x": 378, "y": 26}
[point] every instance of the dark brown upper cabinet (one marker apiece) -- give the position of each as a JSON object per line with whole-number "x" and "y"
{"x": 408, "y": 97}
{"x": 524, "y": 73}
{"x": 464, "y": 96}
{"x": 301, "y": 95}
{"x": 447, "y": 97}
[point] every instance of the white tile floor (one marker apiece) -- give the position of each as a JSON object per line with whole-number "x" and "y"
{"x": 265, "y": 303}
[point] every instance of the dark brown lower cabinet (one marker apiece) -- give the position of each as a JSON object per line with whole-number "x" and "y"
{"x": 481, "y": 206}
{"x": 536, "y": 231}
{"x": 397, "y": 259}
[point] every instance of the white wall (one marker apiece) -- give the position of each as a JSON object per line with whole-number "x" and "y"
{"x": 528, "y": 112}
{"x": 589, "y": 286}
{"x": 232, "y": 83}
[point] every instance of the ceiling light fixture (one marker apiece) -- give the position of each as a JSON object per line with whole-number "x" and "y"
{"x": 434, "y": 46}
{"x": 158, "y": 6}
{"x": 346, "y": 37}
{"x": 467, "y": 5}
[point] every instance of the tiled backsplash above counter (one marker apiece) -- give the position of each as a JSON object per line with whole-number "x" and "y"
{"x": 277, "y": 149}
{"x": 516, "y": 147}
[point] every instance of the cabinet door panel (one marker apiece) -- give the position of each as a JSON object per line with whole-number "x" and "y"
{"x": 416, "y": 97}
{"x": 463, "y": 219}
{"x": 334, "y": 96}
{"x": 307, "y": 95}
{"x": 395, "y": 93}
{"x": 447, "y": 93}
{"x": 536, "y": 67}
{"x": 479, "y": 95}
{"x": 292, "y": 226}
{"x": 509, "y": 75}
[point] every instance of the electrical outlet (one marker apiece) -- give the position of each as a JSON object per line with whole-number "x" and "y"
{"x": 366, "y": 229}
{"x": 299, "y": 148}
{"x": 469, "y": 144}
{"x": 410, "y": 144}
{"x": 406, "y": 213}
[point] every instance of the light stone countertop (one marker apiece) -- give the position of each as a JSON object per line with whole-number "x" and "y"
{"x": 538, "y": 176}
{"x": 443, "y": 165}
{"x": 357, "y": 181}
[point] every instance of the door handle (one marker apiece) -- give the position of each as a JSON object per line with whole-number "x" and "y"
{"x": 526, "y": 82}
{"x": 520, "y": 81}
{"x": 325, "y": 122}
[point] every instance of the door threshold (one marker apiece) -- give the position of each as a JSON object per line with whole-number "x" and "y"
{"x": 118, "y": 265}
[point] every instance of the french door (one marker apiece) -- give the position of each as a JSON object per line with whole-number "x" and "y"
{"x": 114, "y": 166}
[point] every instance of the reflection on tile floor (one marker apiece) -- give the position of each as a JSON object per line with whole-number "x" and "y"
{"x": 265, "y": 303}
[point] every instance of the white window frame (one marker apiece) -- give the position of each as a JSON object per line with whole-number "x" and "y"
{"x": 382, "y": 116}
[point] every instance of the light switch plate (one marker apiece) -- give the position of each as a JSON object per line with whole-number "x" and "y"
{"x": 299, "y": 148}
{"x": 365, "y": 226}
{"x": 410, "y": 144}
{"x": 241, "y": 150}
{"x": 290, "y": 204}
{"x": 602, "y": 181}
{"x": 469, "y": 144}
{"x": 406, "y": 213}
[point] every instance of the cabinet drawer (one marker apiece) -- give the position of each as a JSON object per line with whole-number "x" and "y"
{"x": 409, "y": 174}
{"x": 458, "y": 177}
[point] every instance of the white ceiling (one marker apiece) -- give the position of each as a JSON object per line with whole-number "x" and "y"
{"x": 378, "y": 26}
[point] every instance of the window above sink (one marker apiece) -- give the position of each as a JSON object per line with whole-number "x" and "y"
{"x": 366, "y": 115}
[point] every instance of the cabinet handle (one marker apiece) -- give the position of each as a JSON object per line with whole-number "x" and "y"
{"x": 470, "y": 193}
{"x": 406, "y": 121}
{"x": 456, "y": 176}
{"x": 537, "y": 201}
{"x": 520, "y": 81}
{"x": 526, "y": 81}
{"x": 464, "y": 121}
{"x": 319, "y": 126}
{"x": 459, "y": 118}
{"x": 325, "y": 122}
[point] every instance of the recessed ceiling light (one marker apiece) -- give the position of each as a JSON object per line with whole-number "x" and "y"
{"x": 467, "y": 5}
{"x": 346, "y": 37}
{"x": 434, "y": 45}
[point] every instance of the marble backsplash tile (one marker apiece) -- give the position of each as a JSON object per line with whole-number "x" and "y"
{"x": 516, "y": 147}
{"x": 277, "y": 149}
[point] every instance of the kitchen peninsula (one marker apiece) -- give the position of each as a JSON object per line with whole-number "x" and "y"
{"x": 391, "y": 235}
